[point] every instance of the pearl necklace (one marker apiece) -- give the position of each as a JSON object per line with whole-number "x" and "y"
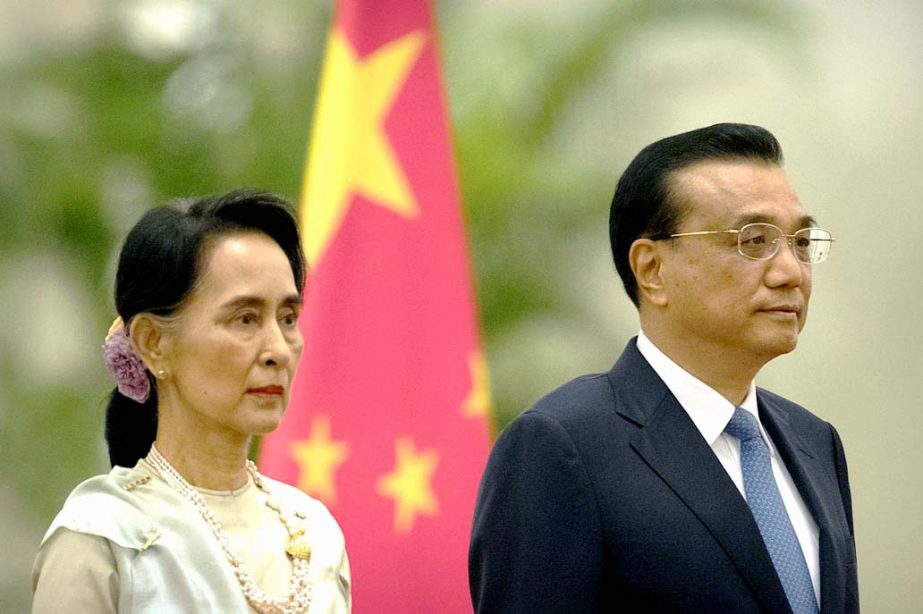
{"x": 299, "y": 596}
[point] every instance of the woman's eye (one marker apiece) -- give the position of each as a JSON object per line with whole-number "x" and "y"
{"x": 290, "y": 319}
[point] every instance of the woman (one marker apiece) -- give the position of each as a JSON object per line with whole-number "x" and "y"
{"x": 204, "y": 352}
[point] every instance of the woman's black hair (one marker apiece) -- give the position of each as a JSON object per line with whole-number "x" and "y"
{"x": 161, "y": 262}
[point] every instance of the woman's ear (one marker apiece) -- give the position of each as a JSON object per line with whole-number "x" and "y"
{"x": 152, "y": 341}
{"x": 645, "y": 259}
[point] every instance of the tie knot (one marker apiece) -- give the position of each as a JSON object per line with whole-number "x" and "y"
{"x": 743, "y": 425}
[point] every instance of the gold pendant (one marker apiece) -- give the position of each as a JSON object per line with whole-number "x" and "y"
{"x": 298, "y": 546}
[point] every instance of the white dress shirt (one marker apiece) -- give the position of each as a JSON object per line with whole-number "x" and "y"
{"x": 711, "y": 413}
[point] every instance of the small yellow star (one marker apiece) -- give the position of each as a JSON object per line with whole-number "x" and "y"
{"x": 477, "y": 403}
{"x": 318, "y": 458}
{"x": 410, "y": 485}
{"x": 349, "y": 150}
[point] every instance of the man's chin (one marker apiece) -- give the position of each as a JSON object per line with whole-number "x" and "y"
{"x": 781, "y": 345}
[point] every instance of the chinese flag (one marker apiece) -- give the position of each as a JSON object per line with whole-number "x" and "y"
{"x": 387, "y": 423}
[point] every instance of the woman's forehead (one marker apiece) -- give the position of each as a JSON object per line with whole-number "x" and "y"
{"x": 246, "y": 264}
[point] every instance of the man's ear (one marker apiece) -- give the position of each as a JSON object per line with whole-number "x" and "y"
{"x": 152, "y": 341}
{"x": 645, "y": 259}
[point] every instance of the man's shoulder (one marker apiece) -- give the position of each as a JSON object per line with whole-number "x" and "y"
{"x": 599, "y": 396}
{"x": 797, "y": 416}
{"x": 777, "y": 401}
{"x": 580, "y": 397}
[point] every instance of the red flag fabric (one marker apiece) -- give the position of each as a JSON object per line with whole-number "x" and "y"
{"x": 387, "y": 422}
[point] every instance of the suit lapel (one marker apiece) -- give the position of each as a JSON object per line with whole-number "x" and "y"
{"x": 672, "y": 446}
{"x": 816, "y": 489}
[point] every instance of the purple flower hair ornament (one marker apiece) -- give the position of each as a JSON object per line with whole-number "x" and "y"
{"x": 125, "y": 365}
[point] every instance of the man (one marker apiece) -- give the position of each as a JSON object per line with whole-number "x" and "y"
{"x": 671, "y": 483}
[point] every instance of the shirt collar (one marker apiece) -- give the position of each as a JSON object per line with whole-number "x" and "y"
{"x": 709, "y": 411}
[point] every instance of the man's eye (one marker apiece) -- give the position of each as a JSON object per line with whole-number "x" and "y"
{"x": 757, "y": 239}
{"x": 247, "y": 318}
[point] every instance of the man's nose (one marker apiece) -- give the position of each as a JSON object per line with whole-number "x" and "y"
{"x": 784, "y": 268}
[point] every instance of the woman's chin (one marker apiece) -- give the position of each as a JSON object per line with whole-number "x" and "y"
{"x": 265, "y": 422}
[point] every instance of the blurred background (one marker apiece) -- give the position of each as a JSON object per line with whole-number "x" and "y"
{"x": 107, "y": 108}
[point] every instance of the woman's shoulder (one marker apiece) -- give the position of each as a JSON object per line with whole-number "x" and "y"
{"x": 327, "y": 540}
{"x": 102, "y": 492}
{"x": 108, "y": 506}
{"x": 298, "y": 501}
{"x": 286, "y": 493}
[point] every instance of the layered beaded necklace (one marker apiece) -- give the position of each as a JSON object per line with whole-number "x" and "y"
{"x": 299, "y": 596}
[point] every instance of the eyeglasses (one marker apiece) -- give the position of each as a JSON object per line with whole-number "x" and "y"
{"x": 760, "y": 241}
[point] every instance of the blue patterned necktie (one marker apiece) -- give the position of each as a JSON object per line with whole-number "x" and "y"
{"x": 769, "y": 512}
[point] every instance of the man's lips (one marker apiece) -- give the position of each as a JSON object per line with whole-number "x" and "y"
{"x": 277, "y": 390}
{"x": 784, "y": 309}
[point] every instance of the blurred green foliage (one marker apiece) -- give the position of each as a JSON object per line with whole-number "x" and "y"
{"x": 93, "y": 134}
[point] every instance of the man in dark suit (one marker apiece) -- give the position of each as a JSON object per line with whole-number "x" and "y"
{"x": 671, "y": 483}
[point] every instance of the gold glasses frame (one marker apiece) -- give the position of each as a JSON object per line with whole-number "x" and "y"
{"x": 776, "y": 243}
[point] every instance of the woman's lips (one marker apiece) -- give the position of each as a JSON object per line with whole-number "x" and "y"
{"x": 276, "y": 390}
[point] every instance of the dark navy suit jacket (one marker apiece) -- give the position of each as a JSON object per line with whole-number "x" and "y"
{"x": 605, "y": 497}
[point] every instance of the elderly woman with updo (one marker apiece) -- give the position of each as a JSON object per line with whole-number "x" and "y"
{"x": 204, "y": 352}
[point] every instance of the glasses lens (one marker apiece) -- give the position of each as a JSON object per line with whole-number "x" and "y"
{"x": 758, "y": 241}
{"x": 811, "y": 245}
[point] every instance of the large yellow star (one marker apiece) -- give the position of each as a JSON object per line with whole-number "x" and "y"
{"x": 318, "y": 458}
{"x": 477, "y": 403}
{"x": 410, "y": 485}
{"x": 349, "y": 150}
